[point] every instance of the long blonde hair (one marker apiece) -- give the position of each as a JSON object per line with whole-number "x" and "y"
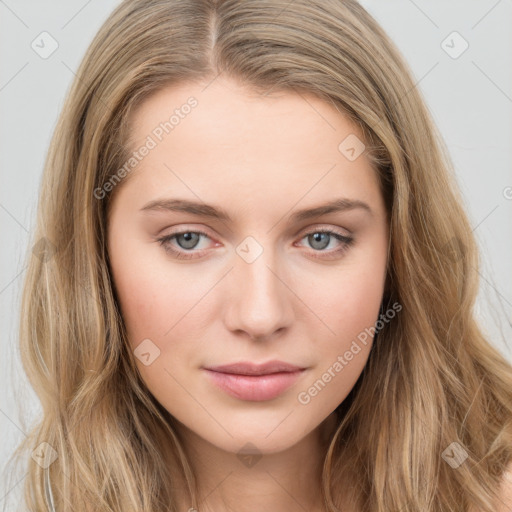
{"x": 432, "y": 382}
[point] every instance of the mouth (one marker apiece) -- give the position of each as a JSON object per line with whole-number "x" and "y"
{"x": 252, "y": 382}
{"x": 249, "y": 368}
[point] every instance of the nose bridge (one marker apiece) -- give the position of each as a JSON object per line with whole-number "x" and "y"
{"x": 261, "y": 302}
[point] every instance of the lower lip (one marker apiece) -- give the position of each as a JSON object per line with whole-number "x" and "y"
{"x": 256, "y": 388}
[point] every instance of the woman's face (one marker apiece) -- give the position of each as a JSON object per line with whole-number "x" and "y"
{"x": 216, "y": 259}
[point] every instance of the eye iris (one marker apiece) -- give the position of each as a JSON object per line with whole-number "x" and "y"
{"x": 316, "y": 237}
{"x": 191, "y": 239}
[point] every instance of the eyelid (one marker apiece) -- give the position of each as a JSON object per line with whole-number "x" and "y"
{"x": 344, "y": 239}
{"x": 184, "y": 228}
{"x": 188, "y": 228}
{"x": 324, "y": 227}
{"x": 198, "y": 231}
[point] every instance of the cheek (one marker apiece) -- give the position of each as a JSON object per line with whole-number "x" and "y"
{"x": 347, "y": 303}
{"x": 349, "y": 309}
{"x": 165, "y": 309}
{"x": 152, "y": 294}
{"x": 159, "y": 323}
{"x": 360, "y": 299}
{"x": 153, "y": 309}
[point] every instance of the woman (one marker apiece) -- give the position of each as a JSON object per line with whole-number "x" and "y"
{"x": 194, "y": 342}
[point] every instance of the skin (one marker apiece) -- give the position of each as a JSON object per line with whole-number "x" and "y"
{"x": 261, "y": 158}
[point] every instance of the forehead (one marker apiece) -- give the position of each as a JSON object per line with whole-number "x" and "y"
{"x": 221, "y": 138}
{"x": 230, "y": 113}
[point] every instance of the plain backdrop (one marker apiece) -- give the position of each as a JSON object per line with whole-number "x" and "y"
{"x": 461, "y": 56}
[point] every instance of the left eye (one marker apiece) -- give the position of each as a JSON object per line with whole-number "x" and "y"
{"x": 319, "y": 237}
{"x": 188, "y": 240}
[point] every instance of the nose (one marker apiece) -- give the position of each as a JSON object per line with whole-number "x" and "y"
{"x": 260, "y": 299}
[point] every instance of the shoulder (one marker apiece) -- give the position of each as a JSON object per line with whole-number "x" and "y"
{"x": 505, "y": 504}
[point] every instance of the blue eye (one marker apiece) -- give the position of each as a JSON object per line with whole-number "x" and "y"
{"x": 188, "y": 241}
{"x": 320, "y": 239}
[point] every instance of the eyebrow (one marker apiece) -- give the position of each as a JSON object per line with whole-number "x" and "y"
{"x": 206, "y": 210}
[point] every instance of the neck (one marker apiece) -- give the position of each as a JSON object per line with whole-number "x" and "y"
{"x": 287, "y": 481}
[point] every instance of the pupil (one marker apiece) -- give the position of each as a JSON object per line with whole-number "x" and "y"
{"x": 317, "y": 237}
{"x": 188, "y": 239}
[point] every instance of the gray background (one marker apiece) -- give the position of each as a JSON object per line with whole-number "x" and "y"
{"x": 470, "y": 98}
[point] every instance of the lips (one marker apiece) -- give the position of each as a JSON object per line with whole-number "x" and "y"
{"x": 255, "y": 382}
{"x": 248, "y": 368}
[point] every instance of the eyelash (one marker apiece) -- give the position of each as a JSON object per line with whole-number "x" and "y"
{"x": 346, "y": 241}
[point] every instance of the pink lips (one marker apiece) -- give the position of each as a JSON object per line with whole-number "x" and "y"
{"x": 249, "y": 381}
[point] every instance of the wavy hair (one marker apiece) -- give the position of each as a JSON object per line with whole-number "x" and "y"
{"x": 432, "y": 378}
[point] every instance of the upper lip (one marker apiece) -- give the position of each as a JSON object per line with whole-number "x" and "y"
{"x": 248, "y": 368}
